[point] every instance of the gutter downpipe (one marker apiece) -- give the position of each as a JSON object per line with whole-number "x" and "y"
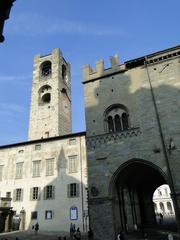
{"x": 170, "y": 178}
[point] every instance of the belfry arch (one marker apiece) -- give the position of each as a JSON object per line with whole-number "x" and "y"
{"x": 131, "y": 189}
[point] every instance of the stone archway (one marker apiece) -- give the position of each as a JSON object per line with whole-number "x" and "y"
{"x": 131, "y": 188}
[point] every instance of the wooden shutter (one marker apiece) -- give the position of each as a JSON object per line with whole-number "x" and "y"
{"x": 45, "y": 190}
{"x": 77, "y": 189}
{"x": 14, "y": 195}
{"x": 31, "y": 194}
{"x": 53, "y": 192}
{"x": 21, "y": 199}
{"x": 68, "y": 191}
{"x": 39, "y": 193}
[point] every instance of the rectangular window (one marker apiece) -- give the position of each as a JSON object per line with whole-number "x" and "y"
{"x": 8, "y": 194}
{"x": 19, "y": 170}
{"x": 72, "y": 141}
{"x": 73, "y": 164}
{"x": 48, "y": 214}
{"x": 1, "y": 172}
{"x": 49, "y": 192}
{"x": 18, "y": 194}
{"x": 38, "y": 147}
{"x": 35, "y": 193}
{"x": 36, "y": 168}
{"x": 34, "y": 215}
{"x": 50, "y": 167}
{"x": 73, "y": 190}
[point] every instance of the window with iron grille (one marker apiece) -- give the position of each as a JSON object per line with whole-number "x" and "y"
{"x": 49, "y": 192}
{"x": 50, "y": 167}
{"x": 19, "y": 170}
{"x": 36, "y": 168}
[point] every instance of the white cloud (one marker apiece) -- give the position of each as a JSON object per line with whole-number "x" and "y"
{"x": 32, "y": 25}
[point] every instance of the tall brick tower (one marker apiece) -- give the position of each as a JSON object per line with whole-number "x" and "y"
{"x": 50, "y": 112}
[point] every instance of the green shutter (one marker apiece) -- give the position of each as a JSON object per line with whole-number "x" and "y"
{"x": 21, "y": 199}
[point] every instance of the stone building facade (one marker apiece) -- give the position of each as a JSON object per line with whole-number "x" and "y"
{"x": 162, "y": 201}
{"x": 133, "y": 141}
{"x": 45, "y": 178}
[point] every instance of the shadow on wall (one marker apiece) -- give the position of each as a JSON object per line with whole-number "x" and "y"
{"x": 58, "y": 202}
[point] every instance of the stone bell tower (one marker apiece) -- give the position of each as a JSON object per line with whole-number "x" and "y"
{"x": 50, "y": 112}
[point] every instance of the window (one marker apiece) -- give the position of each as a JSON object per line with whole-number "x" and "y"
{"x": 38, "y": 147}
{"x": 18, "y": 194}
{"x": 169, "y": 207}
{"x": 46, "y": 134}
{"x": 64, "y": 72}
{"x": 73, "y": 190}
{"x": 34, "y": 215}
{"x": 73, "y": 164}
{"x": 45, "y": 94}
{"x": 8, "y": 194}
{"x": 35, "y": 193}
{"x": 1, "y": 172}
{"x": 19, "y": 170}
{"x": 72, "y": 141}
{"x": 46, "y": 69}
{"x": 36, "y": 168}
{"x": 50, "y": 167}
{"x": 49, "y": 192}
{"x": 116, "y": 118}
{"x": 48, "y": 214}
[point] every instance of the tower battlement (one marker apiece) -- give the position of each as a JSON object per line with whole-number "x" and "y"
{"x": 99, "y": 70}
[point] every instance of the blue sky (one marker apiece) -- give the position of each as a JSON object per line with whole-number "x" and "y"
{"x": 85, "y": 31}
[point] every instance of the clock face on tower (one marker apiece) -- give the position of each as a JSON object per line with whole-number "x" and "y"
{"x": 65, "y": 107}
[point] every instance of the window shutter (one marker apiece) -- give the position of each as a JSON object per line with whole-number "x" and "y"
{"x": 45, "y": 190}
{"x": 21, "y": 195}
{"x": 39, "y": 193}
{"x": 68, "y": 191}
{"x": 31, "y": 194}
{"x": 14, "y": 195}
{"x": 77, "y": 189}
{"x": 53, "y": 192}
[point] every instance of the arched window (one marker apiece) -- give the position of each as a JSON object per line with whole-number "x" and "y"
{"x": 45, "y": 94}
{"x": 169, "y": 207}
{"x": 46, "y": 69}
{"x": 110, "y": 124}
{"x": 116, "y": 118}
{"x": 125, "y": 121}
{"x": 117, "y": 121}
{"x": 162, "y": 207}
{"x": 64, "y": 72}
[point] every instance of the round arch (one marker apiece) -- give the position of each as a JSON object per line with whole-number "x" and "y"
{"x": 131, "y": 189}
{"x": 130, "y": 162}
